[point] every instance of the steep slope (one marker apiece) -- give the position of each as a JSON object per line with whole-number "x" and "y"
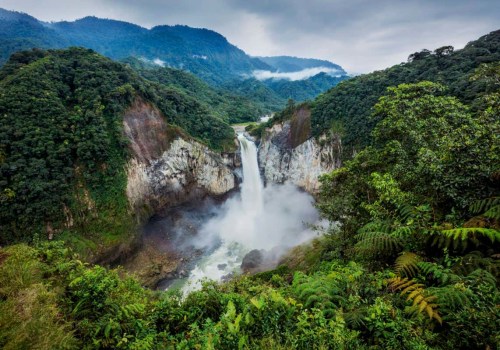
{"x": 348, "y": 106}
{"x": 304, "y": 89}
{"x": 63, "y": 145}
{"x": 338, "y": 123}
{"x": 255, "y": 90}
{"x": 226, "y": 105}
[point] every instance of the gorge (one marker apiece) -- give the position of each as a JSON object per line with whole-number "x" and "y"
{"x": 211, "y": 237}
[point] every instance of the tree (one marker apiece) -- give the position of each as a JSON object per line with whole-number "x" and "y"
{"x": 444, "y": 51}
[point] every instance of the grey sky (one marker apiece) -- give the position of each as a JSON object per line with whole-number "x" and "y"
{"x": 360, "y": 35}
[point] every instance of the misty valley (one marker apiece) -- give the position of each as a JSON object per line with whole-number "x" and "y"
{"x": 162, "y": 188}
{"x": 249, "y": 231}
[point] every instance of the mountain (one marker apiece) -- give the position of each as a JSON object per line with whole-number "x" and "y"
{"x": 304, "y": 89}
{"x": 200, "y": 51}
{"x": 300, "y": 79}
{"x": 19, "y": 31}
{"x": 225, "y": 104}
{"x": 349, "y": 106}
{"x": 287, "y": 64}
{"x": 203, "y": 52}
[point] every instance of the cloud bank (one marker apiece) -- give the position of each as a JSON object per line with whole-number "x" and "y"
{"x": 300, "y": 75}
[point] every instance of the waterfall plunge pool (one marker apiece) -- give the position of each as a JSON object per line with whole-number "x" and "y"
{"x": 215, "y": 237}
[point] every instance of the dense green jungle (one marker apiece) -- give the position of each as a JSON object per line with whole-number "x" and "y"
{"x": 410, "y": 260}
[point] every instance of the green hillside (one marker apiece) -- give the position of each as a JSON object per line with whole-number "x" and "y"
{"x": 228, "y": 106}
{"x": 202, "y": 52}
{"x": 61, "y": 129}
{"x": 349, "y": 105}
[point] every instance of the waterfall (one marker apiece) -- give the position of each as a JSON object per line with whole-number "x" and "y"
{"x": 251, "y": 188}
{"x": 257, "y": 218}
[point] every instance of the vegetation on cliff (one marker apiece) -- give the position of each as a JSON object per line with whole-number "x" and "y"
{"x": 61, "y": 141}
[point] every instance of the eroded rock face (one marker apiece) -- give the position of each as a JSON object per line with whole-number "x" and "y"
{"x": 168, "y": 168}
{"x": 287, "y": 153}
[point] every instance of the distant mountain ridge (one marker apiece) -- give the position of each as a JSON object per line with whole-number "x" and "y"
{"x": 203, "y": 52}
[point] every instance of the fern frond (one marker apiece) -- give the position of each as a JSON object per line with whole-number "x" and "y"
{"x": 318, "y": 293}
{"x": 493, "y": 213}
{"x": 406, "y": 212}
{"x": 484, "y": 205}
{"x": 438, "y": 272}
{"x": 372, "y": 243}
{"x": 421, "y": 300}
{"x": 452, "y": 298}
{"x": 470, "y": 233}
{"x": 402, "y": 231}
{"x": 406, "y": 264}
{"x": 376, "y": 226}
{"x": 464, "y": 235}
{"x": 481, "y": 276}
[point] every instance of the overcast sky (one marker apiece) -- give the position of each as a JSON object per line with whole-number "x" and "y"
{"x": 360, "y": 35}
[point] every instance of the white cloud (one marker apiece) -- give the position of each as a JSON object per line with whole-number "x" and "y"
{"x": 299, "y": 75}
{"x": 159, "y": 62}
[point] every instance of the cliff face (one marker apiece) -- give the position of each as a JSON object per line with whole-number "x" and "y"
{"x": 288, "y": 153}
{"x": 168, "y": 168}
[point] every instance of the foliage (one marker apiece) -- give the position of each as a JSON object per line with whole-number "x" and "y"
{"x": 305, "y": 89}
{"x": 413, "y": 200}
{"x": 416, "y": 294}
{"x": 429, "y": 176}
{"x": 351, "y": 102}
{"x": 62, "y": 143}
{"x": 225, "y": 105}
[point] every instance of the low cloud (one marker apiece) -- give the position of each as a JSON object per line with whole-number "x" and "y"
{"x": 159, "y": 62}
{"x": 299, "y": 75}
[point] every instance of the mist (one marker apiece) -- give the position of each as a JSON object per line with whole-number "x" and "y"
{"x": 283, "y": 220}
{"x": 270, "y": 219}
{"x": 299, "y": 75}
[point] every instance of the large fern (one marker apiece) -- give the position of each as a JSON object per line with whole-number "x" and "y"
{"x": 464, "y": 236}
{"x": 483, "y": 277}
{"x": 421, "y": 300}
{"x": 451, "y": 298}
{"x": 377, "y": 243}
{"x": 406, "y": 264}
{"x": 318, "y": 292}
{"x": 488, "y": 207}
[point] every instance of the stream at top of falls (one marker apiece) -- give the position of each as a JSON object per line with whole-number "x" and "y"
{"x": 273, "y": 218}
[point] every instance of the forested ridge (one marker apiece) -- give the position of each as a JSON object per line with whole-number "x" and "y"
{"x": 411, "y": 259}
{"x": 349, "y": 106}
{"x": 61, "y": 133}
{"x": 228, "y": 106}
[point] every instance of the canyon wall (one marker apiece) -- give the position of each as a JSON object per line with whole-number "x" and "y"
{"x": 168, "y": 167}
{"x": 288, "y": 153}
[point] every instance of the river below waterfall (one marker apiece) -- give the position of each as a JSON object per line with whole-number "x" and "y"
{"x": 215, "y": 237}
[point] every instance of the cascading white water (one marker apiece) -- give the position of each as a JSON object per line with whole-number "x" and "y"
{"x": 258, "y": 219}
{"x": 251, "y": 187}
